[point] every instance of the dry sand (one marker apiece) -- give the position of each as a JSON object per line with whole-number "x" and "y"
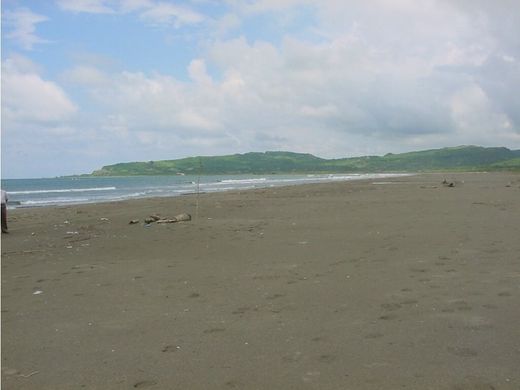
{"x": 357, "y": 285}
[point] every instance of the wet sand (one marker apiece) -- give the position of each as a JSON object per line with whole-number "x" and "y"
{"x": 385, "y": 284}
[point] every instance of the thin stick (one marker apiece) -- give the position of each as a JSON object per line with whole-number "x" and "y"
{"x": 198, "y": 191}
{"x": 29, "y": 375}
{"x": 23, "y": 252}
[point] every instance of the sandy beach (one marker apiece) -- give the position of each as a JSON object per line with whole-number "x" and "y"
{"x": 378, "y": 284}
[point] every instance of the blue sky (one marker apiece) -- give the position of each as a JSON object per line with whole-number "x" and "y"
{"x": 86, "y": 83}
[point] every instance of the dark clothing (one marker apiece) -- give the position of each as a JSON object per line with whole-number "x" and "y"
{"x": 4, "y": 218}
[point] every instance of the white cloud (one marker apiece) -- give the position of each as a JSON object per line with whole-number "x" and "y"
{"x": 171, "y": 14}
{"x": 86, "y": 76}
{"x": 198, "y": 73}
{"x": 341, "y": 96}
{"x": 325, "y": 111}
{"x": 365, "y": 78}
{"x": 153, "y": 12}
{"x": 88, "y": 6}
{"x": 21, "y": 24}
{"x": 476, "y": 118}
{"x": 27, "y": 97}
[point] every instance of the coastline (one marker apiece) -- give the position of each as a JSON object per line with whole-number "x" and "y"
{"x": 334, "y": 285}
{"x": 25, "y": 193}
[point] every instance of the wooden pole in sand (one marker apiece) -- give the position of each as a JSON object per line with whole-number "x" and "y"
{"x": 198, "y": 191}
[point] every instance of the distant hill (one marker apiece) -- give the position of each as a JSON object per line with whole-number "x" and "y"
{"x": 461, "y": 158}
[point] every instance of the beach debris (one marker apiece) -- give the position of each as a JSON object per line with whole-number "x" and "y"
{"x": 183, "y": 217}
{"x": 173, "y": 220}
{"x": 445, "y": 183}
{"x": 38, "y": 292}
{"x": 171, "y": 348}
{"x": 158, "y": 219}
{"x": 104, "y": 219}
{"x": 145, "y": 384}
{"x": 29, "y": 375}
{"x": 133, "y": 221}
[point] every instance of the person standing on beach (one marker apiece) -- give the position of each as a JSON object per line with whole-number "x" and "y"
{"x": 4, "y": 212}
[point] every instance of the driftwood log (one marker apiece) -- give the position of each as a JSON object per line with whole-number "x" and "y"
{"x": 156, "y": 218}
{"x": 178, "y": 218}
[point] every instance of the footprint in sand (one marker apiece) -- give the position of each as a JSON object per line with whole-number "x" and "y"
{"x": 479, "y": 327}
{"x": 391, "y": 306}
{"x": 231, "y": 384}
{"x": 274, "y": 296}
{"x": 409, "y": 302}
{"x": 374, "y": 335}
{"x": 473, "y": 386}
{"x": 144, "y": 384}
{"x": 419, "y": 270}
{"x": 241, "y": 310}
{"x": 389, "y": 316}
{"x": 325, "y": 358}
{"x": 504, "y": 294}
{"x": 214, "y": 330}
{"x": 459, "y": 305}
{"x": 462, "y": 351}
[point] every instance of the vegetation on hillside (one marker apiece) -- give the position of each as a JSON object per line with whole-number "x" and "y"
{"x": 467, "y": 158}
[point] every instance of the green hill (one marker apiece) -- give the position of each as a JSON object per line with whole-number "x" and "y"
{"x": 462, "y": 158}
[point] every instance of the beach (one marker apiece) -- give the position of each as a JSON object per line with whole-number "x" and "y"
{"x": 377, "y": 284}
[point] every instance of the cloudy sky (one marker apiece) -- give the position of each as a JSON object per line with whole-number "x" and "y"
{"x": 86, "y": 83}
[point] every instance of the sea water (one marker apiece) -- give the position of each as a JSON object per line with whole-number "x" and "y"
{"x": 79, "y": 190}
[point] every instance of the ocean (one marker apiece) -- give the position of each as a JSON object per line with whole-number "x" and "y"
{"x": 79, "y": 190}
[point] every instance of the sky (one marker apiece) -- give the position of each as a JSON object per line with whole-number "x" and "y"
{"x": 87, "y": 83}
